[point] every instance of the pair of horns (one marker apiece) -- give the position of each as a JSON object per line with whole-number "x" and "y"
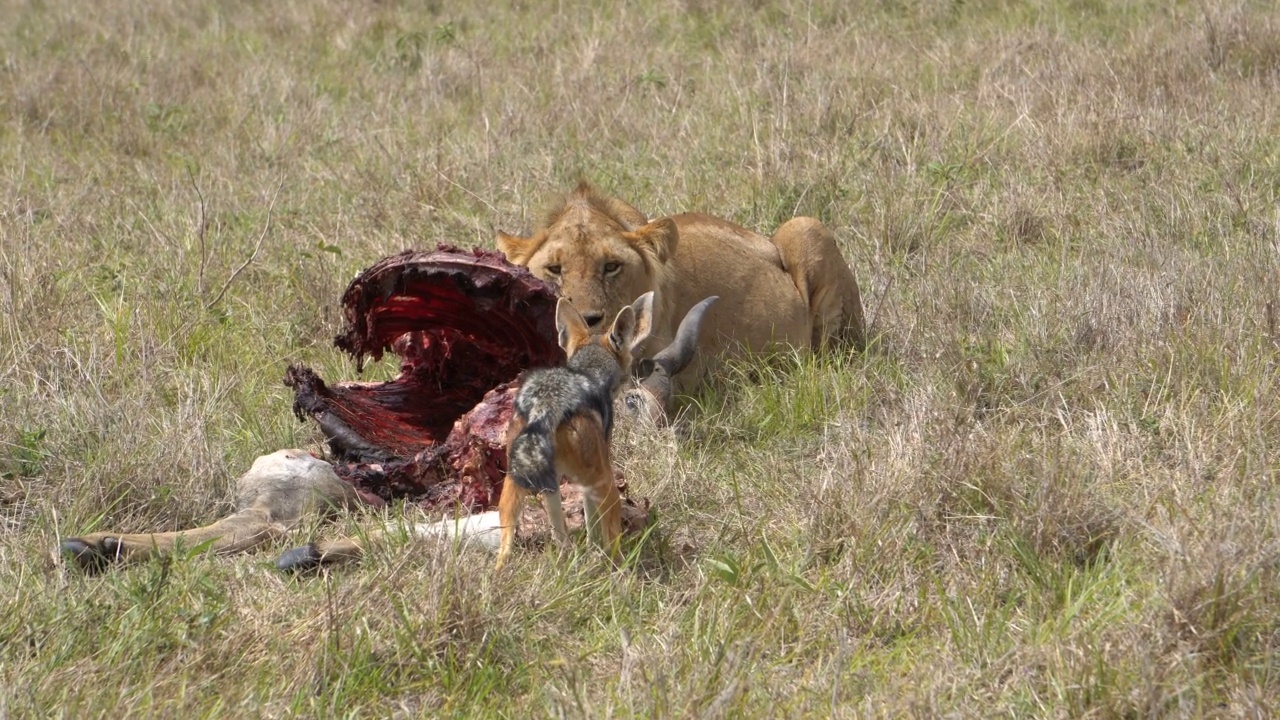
{"x": 656, "y": 372}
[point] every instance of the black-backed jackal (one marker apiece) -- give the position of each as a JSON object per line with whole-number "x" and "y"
{"x": 563, "y": 422}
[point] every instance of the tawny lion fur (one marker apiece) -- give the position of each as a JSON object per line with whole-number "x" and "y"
{"x": 793, "y": 289}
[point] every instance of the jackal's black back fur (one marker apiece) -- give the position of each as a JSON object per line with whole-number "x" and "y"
{"x": 552, "y": 396}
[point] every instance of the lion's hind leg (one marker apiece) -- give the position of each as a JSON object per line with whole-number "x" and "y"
{"x": 812, "y": 258}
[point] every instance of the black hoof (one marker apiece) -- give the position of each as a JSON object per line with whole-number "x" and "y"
{"x": 88, "y": 557}
{"x": 299, "y": 559}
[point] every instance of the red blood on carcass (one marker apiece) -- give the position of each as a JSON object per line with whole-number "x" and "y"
{"x": 465, "y": 324}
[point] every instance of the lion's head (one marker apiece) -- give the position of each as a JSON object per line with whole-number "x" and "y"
{"x": 599, "y": 252}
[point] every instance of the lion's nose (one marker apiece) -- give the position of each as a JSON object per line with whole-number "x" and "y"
{"x": 593, "y": 319}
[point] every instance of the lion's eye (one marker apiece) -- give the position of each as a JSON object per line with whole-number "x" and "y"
{"x": 553, "y": 269}
{"x": 612, "y": 268}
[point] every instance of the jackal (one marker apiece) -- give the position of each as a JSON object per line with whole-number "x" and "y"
{"x": 563, "y": 422}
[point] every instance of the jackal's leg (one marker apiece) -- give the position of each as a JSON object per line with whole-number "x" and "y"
{"x": 812, "y": 257}
{"x": 277, "y": 492}
{"x": 601, "y": 501}
{"x": 591, "y": 517}
{"x": 555, "y": 513}
{"x": 609, "y": 516}
{"x": 510, "y": 505}
{"x": 587, "y": 461}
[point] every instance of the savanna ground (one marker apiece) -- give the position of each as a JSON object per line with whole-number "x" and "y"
{"x": 1048, "y": 489}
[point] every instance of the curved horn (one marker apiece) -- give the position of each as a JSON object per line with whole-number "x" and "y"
{"x": 677, "y": 356}
{"x": 658, "y": 371}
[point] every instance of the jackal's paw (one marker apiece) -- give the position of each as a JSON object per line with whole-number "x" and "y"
{"x": 92, "y": 554}
{"x": 298, "y": 559}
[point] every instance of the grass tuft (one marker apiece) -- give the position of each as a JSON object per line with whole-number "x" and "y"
{"x": 1047, "y": 489}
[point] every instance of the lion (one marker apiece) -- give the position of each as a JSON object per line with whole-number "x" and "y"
{"x": 791, "y": 290}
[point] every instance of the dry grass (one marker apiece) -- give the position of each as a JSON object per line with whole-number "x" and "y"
{"x": 1049, "y": 488}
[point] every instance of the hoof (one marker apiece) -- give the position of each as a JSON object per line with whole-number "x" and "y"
{"x": 298, "y": 559}
{"x": 90, "y": 557}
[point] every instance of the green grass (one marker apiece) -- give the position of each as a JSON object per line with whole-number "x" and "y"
{"x": 1048, "y": 489}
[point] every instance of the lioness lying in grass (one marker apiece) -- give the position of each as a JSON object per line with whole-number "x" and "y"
{"x": 792, "y": 289}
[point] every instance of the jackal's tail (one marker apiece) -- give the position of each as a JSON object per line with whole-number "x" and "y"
{"x": 532, "y": 458}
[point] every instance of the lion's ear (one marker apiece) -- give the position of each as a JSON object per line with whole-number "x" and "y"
{"x": 517, "y": 249}
{"x": 657, "y": 239}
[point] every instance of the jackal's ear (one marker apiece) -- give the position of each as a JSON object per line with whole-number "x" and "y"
{"x": 517, "y": 249}
{"x": 657, "y": 240}
{"x": 643, "y": 309}
{"x": 571, "y": 326}
{"x": 633, "y": 324}
{"x": 623, "y": 329}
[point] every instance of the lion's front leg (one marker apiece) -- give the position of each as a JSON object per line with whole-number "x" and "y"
{"x": 812, "y": 258}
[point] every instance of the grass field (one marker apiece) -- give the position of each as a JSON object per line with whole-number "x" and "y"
{"x": 1048, "y": 489}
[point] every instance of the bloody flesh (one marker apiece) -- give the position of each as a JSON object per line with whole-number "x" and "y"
{"x": 465, "y": 324}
